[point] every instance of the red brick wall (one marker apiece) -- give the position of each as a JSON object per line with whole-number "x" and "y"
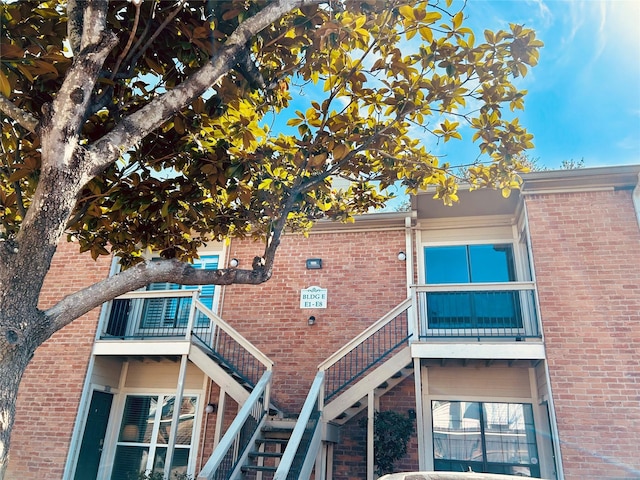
{"x": 51, "y": 387}
{"x": 350, "y": 455}
{"x": 364, "y": 279}
{"x": 586, "y": 249}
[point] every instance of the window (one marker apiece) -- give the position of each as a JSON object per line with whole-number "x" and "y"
{"x": 144, "y": 436}
{"x": 486, "y": 437}
{"x": 466, "y": 308}
{"x": 174, "y": 312}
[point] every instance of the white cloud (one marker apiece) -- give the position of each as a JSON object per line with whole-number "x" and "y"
{"x": 576, "y": 18}
{"x": 630, "y": 142}
{"x": 602, "y": 31}
{"x": 544, "y": 13}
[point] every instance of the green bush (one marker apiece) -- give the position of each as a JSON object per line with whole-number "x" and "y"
{"x": 391, "y": 433}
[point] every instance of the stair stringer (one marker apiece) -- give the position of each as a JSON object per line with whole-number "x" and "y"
{"x": 211, "y": 368}
{"x": 353, "y": 400}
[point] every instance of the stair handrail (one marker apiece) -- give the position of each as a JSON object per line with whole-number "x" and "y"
{"x": 229, "y": 443}
{"x": 233, "y": 333}
{"x": 370, "y": 331}
{"x": 339, "y": 377}
{"x": 312, "y": 408}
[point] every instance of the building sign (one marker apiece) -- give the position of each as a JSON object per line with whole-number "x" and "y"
{"x": 313, "y": 297}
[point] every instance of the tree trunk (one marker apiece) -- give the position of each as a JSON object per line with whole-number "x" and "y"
{"x": 23, "y": 327}
{"x": 14, "y": 358}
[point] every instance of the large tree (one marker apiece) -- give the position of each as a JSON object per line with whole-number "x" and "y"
{"x": 131, "y": 126}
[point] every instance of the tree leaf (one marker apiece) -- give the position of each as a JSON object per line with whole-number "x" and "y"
{"x": 5, "y": 87}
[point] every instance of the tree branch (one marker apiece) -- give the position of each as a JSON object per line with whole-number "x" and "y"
{"x": 142, "y": 122}
{"x": 171, "y": 271}
{"x": 94, "y": 19}
{"x": 132, "y": 35}
{"x": 25, "y": 119}
{"x": 74, "y": 25}
{"x": 162, "y": 26}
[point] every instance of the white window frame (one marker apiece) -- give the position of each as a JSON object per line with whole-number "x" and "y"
{"x": 488, "y": 400}
{"x": 115, "y": 423}
{"x": 486, "y": 237}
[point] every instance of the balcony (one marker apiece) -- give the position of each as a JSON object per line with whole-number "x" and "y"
{"x": 476, "y": 310}
{"x": 172, "y": 322}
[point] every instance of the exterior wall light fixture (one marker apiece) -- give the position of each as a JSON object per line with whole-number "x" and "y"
{"x": 402, "y": 256}
{"x": 312, "y": 320}
{"x": 314, "y": 263}
{"x": 234, "y": 262}
{"x": 211, "y": 408}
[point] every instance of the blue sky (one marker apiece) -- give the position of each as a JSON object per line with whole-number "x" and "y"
{"x": 584, "y": 95}
{"x": 583, "y": 99}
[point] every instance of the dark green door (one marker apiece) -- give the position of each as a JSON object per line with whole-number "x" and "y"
{"x": 93, "y": 438}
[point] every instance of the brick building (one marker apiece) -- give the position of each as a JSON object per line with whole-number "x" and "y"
{"x": 508, "y": 330}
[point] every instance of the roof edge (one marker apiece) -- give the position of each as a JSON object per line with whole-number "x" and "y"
{"x": 580, "y": 179}
{"x": 368, "y": 221}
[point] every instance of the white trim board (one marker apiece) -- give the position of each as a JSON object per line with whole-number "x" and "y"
{"x": 484, "y": 351}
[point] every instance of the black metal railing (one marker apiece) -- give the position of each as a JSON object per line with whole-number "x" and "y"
{"x": 232, "y": 447}
{"x": 302, "y": 448}
{"x": 305, "y": 444}
{"x": 230, "y": 355}
{"x": 151, "y": 314}
{"x": 388, "y": 336}
{"x": 178, "y": 314}
{"x": 477, "y": 311}
{"x": 243, "y": 438}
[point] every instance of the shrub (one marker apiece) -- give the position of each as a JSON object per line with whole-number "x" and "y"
{"x": 392, "y": 431}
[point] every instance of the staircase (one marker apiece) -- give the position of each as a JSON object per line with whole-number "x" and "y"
{"x": 375, "y": 361}
{"x": 268, "y": 449}
{"x": 258, "y": 447}
{"x": 343, "y": 407}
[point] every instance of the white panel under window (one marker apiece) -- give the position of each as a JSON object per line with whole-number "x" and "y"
{"x": 467, "y": 235}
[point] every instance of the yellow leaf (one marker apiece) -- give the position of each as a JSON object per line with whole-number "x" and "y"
{"x": 427, "y": 34}
{"x": 324, "y": 206}
{"x": 265, "y": 184}
{"x": 5, "y": 87}
{"x": 294, "y": 121}
{"x": 431, "y": 17}
{"x": 407, "y": 12}
{"x": 488, "y": 35}
{"x": 457, "y": 20}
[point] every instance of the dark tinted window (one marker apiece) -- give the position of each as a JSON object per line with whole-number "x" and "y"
{"x": 469, "y": 263}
